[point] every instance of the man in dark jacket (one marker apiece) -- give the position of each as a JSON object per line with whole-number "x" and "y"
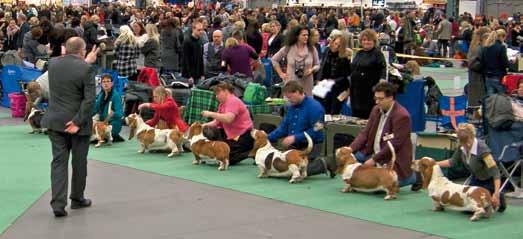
{"x": 24, "y": 28}
{"x": 192, "y": 67}
{"x": 71, "y": 101}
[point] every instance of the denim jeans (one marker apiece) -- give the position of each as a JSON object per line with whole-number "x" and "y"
{"x": 493, "y": 85}
{"x": 360, "y": 157}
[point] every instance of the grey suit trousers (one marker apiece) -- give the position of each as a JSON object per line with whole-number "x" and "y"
{"x": 62, "y": 145}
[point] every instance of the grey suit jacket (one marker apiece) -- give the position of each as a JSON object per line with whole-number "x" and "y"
{"x": 71, "y": 94}
{"x": 445, "y": 30}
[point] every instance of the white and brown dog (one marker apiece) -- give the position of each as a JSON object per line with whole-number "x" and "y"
{"x": 34, "y": 118}
{"x": 154, "y": 139}
{"x": 102, "y": 131}
{"x": 364, "y": 178}
{"x": 274, "y": 163}
{"x": 446, "y": 194}
{"x": 201, "y": 147}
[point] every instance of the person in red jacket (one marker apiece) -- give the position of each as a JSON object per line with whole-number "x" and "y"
{"x": 165, "y": 109}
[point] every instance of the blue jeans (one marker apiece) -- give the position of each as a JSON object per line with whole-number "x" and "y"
{"x": 493, "y": 85}
{"x": 360, "y": 157}
{"x": 489, "y": 185}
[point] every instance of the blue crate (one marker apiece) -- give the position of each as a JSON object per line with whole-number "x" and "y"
{"x": 11, "y": 77}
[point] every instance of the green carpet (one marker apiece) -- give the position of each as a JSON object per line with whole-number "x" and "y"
{"x": 5, "y": 114}
{"x": 24, "y": 169}
{"x": 27, "y": 177}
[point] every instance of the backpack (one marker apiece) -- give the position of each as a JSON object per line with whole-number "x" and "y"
{"x": 499, "y": 112}
{"x": 254, "y": 94}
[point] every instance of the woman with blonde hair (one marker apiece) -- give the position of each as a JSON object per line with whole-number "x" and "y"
{"x": 368, "y": 68}
{"x": 476, "y": 86}
{"x": 126, "y": 53}
{"x": 494, "y": 63}
{"x": 166, "y": 112}
{"x": 237, "y": 57}
{"x": 335, "y": 66}
{"x": 477, "y": 158}
{"x": 151, "y": 47}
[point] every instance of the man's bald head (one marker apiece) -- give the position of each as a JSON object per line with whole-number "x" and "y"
{"x": 75, "y": 46}
{"x": 217, "y": 37}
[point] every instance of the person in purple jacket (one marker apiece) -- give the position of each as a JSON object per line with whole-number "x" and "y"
{"x": 236, "y": 57}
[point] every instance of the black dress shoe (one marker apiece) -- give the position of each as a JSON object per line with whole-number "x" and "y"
{"x": 60, "y": 213}
{"x": 77, "y": 204}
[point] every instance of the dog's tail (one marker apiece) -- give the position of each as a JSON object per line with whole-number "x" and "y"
{"x": 310, "y": 145}
{"x": 393, "y": 156}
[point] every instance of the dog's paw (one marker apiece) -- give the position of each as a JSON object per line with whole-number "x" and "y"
{"x": 221, "y": 168}
{"x": 98, "y": 145}
{"x": 390, "y": 197}
{"x": 438, "y": 209}
{"x": 170, "y": 155}
{"x": 32, "y": 132}
{"x": 141, "y": 151}
{"x": 195, "y": 162}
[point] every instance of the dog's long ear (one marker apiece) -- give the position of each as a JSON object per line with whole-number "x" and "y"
{"x": 132, "y": 127}
{"x": 426, "y": 175}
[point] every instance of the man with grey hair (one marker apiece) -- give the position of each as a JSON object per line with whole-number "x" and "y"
{"x": 71, "y": 101}
{"x": 24, "y": 28}
{"x": 212, "y": 55}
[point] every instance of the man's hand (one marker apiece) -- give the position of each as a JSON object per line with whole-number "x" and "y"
{"x": 207, "y": 114}
{"x": 144, "y": 106}
{"x": 71, "y": 128}
{"x": 91, "y": 57}
{"x": 370, "y": 162}
{"x": 287, "y": 141}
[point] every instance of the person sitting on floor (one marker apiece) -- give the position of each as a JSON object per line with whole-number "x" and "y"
{"x": 476, "y": 156}
{"x": 304, "y": 114}
{"x": 166, "y": 112}
{"x": 109, "y": 97}
{"x": 231, "y": 124}
{"x": 388, "y": 121}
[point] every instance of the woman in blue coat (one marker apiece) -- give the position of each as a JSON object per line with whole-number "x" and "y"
{"x": 109, "y": 96}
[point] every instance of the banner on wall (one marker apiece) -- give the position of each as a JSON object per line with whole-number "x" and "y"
{"x": 435, "y": 1}
{"x": 75, "y": 2}
{"x": 378, "y": 3}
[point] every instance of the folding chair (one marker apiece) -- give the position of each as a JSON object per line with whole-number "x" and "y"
{"x": 510, "y": 170}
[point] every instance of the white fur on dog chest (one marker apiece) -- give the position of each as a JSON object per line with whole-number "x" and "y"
{"x": 349, "y": 171}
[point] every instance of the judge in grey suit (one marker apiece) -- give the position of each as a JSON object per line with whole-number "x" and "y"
{"x": 71, "y": 101}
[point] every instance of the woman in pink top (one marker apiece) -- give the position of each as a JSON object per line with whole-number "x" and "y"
{"x": 231, "y": 124}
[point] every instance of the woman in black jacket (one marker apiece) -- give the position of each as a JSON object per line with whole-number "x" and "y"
{"x": 275, "y": 41}
{"x": 368, "y": 68}
{"x": 335, "y": 65}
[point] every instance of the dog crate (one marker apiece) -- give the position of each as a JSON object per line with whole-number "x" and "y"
{"x": 12, "y": 76}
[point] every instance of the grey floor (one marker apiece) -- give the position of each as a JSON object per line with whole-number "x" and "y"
{"x": 128, "y": 203}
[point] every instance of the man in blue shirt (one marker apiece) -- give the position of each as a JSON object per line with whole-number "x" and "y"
{"x": 304, "y": 114}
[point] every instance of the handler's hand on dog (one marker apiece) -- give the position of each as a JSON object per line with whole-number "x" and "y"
{"x": 288, "y": 141}
{"x": 71, "y": 128}
{"x": 370, "y": 162}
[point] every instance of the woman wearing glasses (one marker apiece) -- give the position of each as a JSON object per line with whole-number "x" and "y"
{"x": 109, "y": 97}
